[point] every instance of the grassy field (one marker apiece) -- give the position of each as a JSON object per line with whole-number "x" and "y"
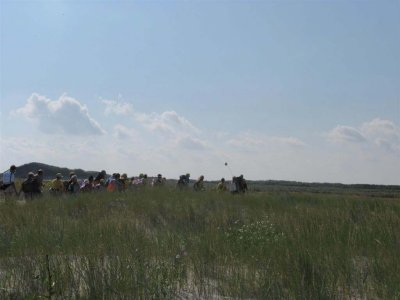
{"x": 164, "y": 244}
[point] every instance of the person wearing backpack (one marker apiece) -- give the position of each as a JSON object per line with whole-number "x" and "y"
{"x": 158, "y": 181}
{"x": 112, "y": 182}
{"x": 26, "y": 186}
{"x": 66, "y": 183}
{"x": 242, "y": 184}
{"x": 101, "y": 175}
{"x": 31, "y": 186}
{"x": 73, "y": 187}
{"x": 183, "y": 182}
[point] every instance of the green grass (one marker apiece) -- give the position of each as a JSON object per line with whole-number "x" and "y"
{"x": 166, "y": 244}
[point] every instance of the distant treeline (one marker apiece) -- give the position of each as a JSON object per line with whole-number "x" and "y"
{"x": 331, "y": 185}
{"x": 315, "y": 187}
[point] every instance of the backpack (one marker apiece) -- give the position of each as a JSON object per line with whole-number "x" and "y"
{"x": 4, "y": 186}
{"x": 30, "y": 186}
{"x": 26, "y": 186}
{"x": 111, "y": 186}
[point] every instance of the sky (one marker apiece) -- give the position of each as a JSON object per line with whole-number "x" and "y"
{"x": 279, "y": 90}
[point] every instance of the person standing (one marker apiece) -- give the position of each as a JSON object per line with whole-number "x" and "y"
{"x": 74, "y": 187}
{"x": 242, "y": 184}
{"x": 30, "y": 187}
{"x": 199, "y": 184}
{"x": 158, "y": 182}
{"x": 39, "y": 178}
{"x": 8, "y": 185}
{"x": 57, "y": 186}
{"x": 100, "y": 176}
{"x": 221, "y": 187}
{"x": 233, "y": 187}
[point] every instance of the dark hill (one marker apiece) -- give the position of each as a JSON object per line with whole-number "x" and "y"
{"x": 49, "y": 172}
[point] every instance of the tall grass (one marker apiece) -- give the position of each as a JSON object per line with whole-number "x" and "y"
{"x": 163, "y": 244}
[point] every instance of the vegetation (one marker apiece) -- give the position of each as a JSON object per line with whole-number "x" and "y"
{"x": 163, "y": 244}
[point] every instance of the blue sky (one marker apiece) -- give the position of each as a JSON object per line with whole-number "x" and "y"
{"x": 296, "y": 90}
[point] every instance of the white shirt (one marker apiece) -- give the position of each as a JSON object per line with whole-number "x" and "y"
{"x": 233, "y": 187}
{"x": 8, "y": 177}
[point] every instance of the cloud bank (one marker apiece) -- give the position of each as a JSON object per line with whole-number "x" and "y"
{"x": 384, "y": 134}
{"x": 345, "y": 134}
{"x": 63, "y": 116}
{"x": 169, "y": 143}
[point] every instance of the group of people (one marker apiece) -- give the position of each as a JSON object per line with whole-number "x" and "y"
{"x": 238, "y": 185}
{"x": 33, "y": 185}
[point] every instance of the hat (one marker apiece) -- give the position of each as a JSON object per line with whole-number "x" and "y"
{"x": 159, "y": 175}
{"x": 30, "y": 174}
{"x": 40, "y": 171}
{"x": 13, "y": 167}
{"x": 58, "y": 175}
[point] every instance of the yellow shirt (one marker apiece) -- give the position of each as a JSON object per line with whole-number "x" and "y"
{"x": 221, "y": 187}
{"x": 57, "y": 185}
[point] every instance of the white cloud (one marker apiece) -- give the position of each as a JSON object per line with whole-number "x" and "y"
{"x": 167, "y": 127}
{"x": 346, "y": 134}
{"x": 65, "y": 115}
{"x": 382, "y": 133}
{"x": 176, "y": 132}
{"x": 168, "y": 122}
{"x": 117, "y": 108}
{"x": 122, "y": 132}
{"x": 191, "y": 143}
